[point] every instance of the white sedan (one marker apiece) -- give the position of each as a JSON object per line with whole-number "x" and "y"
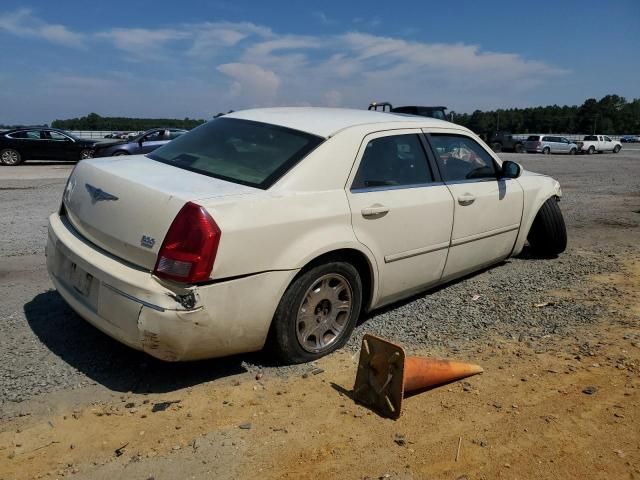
{"x": 281, "y": 226}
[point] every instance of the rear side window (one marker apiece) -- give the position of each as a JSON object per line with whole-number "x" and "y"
{"x": 240, "y": 151}
{"x": 462, "y": 158}
{"x": 533, "y": 138}
{"x": 589, "y": 138}
{"x": 393, "y": 161}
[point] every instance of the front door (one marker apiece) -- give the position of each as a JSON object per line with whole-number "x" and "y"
{"x": 488, "y": 209}
{"x": 401, "y": 211}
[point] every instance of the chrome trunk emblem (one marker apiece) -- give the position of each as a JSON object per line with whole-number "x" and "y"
{"x": 98, "y": 195}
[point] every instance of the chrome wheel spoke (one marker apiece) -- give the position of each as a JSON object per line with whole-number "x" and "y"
{"x": 324, "y": 313}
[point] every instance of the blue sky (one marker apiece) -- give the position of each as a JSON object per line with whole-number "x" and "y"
{"x": 197, "y": 58}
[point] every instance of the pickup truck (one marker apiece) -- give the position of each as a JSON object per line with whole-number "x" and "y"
{"x": 598, "y": 143}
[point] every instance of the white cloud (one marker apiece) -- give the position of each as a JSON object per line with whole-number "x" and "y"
{"x": 256, "y": 85}
{"x": 142, "y": 43}
{"x": 24, "y": 24}
{"x": 252, "y": 65}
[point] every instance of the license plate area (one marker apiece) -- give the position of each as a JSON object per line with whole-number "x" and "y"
{"x": 80, "y": 280}
{"x": 82, "y": 284}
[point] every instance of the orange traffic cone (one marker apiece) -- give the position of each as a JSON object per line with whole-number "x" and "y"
{"x": 385, "y": 374}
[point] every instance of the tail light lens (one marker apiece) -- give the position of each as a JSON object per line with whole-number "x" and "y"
{"x": 538, "y": 143}
{"x": 190, "y": 246}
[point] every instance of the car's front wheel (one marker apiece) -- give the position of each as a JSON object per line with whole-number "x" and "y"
{"x": 86, "y": 154}
{"x": 317, "y": 313}
{"x": 10, "y": 157}
{"x": 548, "y": 234}
{"x": 616, "y": 149}
{"x": 573, "y": 151}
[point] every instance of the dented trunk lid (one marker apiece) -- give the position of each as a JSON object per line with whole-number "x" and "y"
{"x": 125, "y": 205}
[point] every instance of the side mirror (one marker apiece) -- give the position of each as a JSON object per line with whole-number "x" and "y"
{"x": 510, "y": 169}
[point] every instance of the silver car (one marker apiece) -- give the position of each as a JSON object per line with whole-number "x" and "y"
{"x": 547, "y": 144}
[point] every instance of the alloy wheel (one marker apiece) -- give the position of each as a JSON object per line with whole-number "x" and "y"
{"x": 10, "y": 157}
{"x": 324, "y": 313}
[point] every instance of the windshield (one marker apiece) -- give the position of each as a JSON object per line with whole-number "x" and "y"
{"x": 241, "y": 151}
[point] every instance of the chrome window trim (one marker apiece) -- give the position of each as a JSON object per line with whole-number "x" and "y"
{"x": 395, "y": 187}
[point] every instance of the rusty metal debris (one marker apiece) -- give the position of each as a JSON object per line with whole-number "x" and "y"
{"x": 385, "y": 373}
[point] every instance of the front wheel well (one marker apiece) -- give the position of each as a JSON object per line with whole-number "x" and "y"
{"x": 356, "y": 258}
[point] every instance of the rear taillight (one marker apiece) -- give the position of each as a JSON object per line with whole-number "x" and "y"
{"x": 190, "y": 246}
{"x": 538, "y": 144}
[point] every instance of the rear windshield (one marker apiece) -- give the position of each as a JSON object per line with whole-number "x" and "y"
{"x": 240, "y": 151}
{"x": 590, "y": 137}
{"x": 533, "y": 138}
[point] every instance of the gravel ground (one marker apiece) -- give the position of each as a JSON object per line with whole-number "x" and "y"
{"x": 46, "y": 347}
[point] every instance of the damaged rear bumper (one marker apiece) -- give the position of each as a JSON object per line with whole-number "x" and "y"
{"x": 166, "y": 321}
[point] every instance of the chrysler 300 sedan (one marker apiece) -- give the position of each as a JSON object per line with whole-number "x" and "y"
{"x": 281, "y": 226}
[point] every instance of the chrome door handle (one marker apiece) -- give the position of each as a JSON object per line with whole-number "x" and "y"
{"x": 466, "y": 199}
{"x": 374, "y": 210}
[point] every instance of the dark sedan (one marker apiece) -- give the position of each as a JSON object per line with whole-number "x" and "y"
{"x": 144, "y": 143}
{"x": 22, "y": 144}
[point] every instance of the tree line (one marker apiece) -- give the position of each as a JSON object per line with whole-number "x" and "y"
{"x": 93, "y": 121}
{"x": 611, "y": 114}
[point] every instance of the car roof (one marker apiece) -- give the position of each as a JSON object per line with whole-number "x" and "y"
{"x": 325, "y": 122}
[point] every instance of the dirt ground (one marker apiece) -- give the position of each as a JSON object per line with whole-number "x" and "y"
{"x": 562, "y": 406}
{"x": 570, "y": 410}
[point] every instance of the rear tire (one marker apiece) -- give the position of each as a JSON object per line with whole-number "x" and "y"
{"x": 120, "y": 153}
{"x": 591, "y": 150}
{"x": 496, "y": 147}
{"x": 546, "y": 151}
{"x": 548, "y": 234}
{"x": 10, "y": 157}
{"x": 519, "y": 148}
{"x": 298, "y": 332}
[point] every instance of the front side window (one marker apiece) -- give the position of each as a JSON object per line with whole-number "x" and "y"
{"x": 240, "y": 151}
{"x": 462, "y": 158}
{"x": 607, "y": 139}
{"x": 396, "y": 160}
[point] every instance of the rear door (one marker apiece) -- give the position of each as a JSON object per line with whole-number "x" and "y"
{"x": 487, "y": 209}
{"x": 401, "y": 211}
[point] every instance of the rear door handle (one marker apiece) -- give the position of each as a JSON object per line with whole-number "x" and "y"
{"x": 466, "y": 199}
{"x": 374, "y": 210}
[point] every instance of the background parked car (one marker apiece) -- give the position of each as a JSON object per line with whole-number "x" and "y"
{"x": 630, "y": 139}
{"x": 547, "y": 144}
{"x": 505, "y": 142}
{"x": 22, "y": 144}
{"x": 144, "y": 143}
{"x": 598, "y": 143}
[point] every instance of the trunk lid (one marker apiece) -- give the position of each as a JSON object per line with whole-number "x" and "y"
{"x": 125, "y": 205}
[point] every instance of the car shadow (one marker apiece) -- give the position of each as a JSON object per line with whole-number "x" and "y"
{"x": 112, "y": 364}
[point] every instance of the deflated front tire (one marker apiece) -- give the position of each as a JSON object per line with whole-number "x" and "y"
{"x": 548, "y": 234}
